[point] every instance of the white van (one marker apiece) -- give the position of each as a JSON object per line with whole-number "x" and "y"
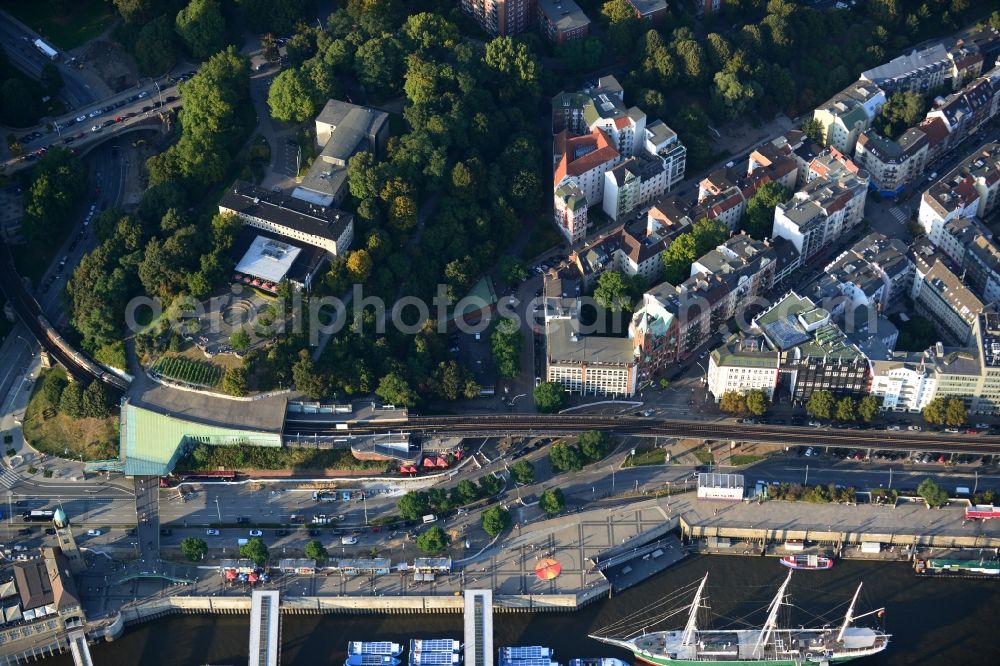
{"x": 242, "y": 542}
{"x": 430, "y": 518}
{"x": 348, "y": 540}
{"x": 962, "y": 490}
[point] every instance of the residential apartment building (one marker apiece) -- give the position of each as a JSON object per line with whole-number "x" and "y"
{"x": 562, "y": 20}
{"x": 321, "y": 226}
{"x": 917, "y": 71}
{"x": 982, "y": 268}
{"x": 892, "y": 164}
{"x": 654, "y": 330}
{"x": 741, "y": 365}
{"x": 571, "y": 210}
{"x": 649, "y": 10}
{"x": 847, "y": 114}
{"x": 875, "y": 272}
{"x": 625, "y": 249}
{"x": 584, "y": 160}
{"x": 906, "y": 382}
{"x": 595, "y": 133}
{"x": 501, "y": 17}
{"x": 822, "y": 211}
{"x": 940, "y": 295}
{"x": 723, "y": 194}
{"x": 704, "y": 8}
{"x": 968, "y": 192}
{"x": 745, "y": 264}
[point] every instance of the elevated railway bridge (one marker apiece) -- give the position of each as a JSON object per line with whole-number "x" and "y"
{"x": 493, "y": 425}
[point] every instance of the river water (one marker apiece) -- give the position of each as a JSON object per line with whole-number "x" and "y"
{"x": 933, "y": 622}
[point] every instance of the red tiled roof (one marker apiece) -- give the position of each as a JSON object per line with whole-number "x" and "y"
{"x": 622, "y": 122}
{"x": 604, "y": 151}
{"x": 935, "y": 129}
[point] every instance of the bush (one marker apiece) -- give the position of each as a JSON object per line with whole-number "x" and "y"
{"x": 196, "y": 373}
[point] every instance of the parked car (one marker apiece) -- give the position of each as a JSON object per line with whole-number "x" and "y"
{"x": 94, "y": 532}
{"x": 256, "y": 533}
{"x": 211, "y": 532}
{"x": 348, "y": 540}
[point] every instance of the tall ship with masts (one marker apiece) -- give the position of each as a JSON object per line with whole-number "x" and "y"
{"x": 769, "y": 645}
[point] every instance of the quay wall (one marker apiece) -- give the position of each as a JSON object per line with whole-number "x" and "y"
{"x": 155, "y": 608}
{"x": 850, "y": 537}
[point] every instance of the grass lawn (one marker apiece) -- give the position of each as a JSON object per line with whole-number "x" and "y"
{"x": 649, "y": 457}
{"x": 704, "y": 456}
{"x": 59, "y": 435}
{"x": 73, "y": 25}
{"x": 746, "y": 459}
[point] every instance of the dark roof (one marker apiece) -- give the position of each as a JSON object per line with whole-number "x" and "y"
{"x": 286, "y": 211}
{"x": 33, "y": 583}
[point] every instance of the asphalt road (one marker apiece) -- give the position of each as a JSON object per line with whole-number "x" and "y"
{"x": 22, "y": 53}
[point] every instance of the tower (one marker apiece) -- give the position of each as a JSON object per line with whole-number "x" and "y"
{"x": 67, "y": 544}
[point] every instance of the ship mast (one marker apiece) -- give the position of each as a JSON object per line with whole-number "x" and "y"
{"x": 850, "y": 614}
{"x": 772, "y": 615}
{"x": 692, "y": 623}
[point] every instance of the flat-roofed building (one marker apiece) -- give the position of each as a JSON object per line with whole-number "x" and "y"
{"x": 322, "y": 226}
{"x": 741, "y": 365}
{"x": 501, "y": 17}
{"x": 562, "y": 20}
{"x": 904, "y": 382}
{"x": 342, "y": 130}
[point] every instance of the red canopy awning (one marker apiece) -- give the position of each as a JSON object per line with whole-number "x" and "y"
{"x": 547, "y": 569}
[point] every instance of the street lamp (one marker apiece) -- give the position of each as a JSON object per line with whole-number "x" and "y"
{"x": 159, "y": 93}
{"x": 218, "y": 510}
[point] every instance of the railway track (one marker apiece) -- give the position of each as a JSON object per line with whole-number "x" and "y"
{"x": 630, "y": 425}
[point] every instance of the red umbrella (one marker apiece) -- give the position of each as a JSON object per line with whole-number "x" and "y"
{"x": 253, "y": 578}
{"x": 548, "y": 569}
{"x": 230, "y": 574}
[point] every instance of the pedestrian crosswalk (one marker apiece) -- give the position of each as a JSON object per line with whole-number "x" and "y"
{"x": 898, "y": 213}
{"x": 8, "y": 479}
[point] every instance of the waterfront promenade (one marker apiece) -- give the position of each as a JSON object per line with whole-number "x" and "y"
{"x": 581, "y": 544}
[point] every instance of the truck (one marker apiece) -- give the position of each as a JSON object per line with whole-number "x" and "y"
{"x": 38, "y": 515}
{"x": 47, "y": 50}
{"x": 325, "y": 496}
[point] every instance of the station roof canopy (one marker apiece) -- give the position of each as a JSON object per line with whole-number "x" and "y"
{"x": 152, "y": 442}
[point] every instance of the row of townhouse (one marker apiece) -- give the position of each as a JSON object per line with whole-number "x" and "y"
{"x": 846, "y": 118}
{"x": 939, "y": 294}
{"x": 670, "y": 323}
{"x": 952, "y": 211}
{"x": 607, "y": 152}
{"x": 829, "y": 204}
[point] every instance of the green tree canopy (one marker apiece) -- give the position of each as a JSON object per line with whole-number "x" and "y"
{"x": 240, "y": 339}
{"x": 612, "y": 291}
{"x": 756, "y": 402}
{"x": 495, "y": 520}
{"x": 505, "y": 345}
{"x": 932, "y": 493}
{"x": 71, "y": 401}
{"x": 594, "y": 444}
{"x": 290, "y": 97}
{"x": 955, "y": 412}
{"x": 549, "y": 397}
{"x": 552, "y": 501}
{"x": 279, "y": 16}
{"x": 733, "y": 402}
{"x": 433, "y": 540}
{"x": 868, "y": 407}
{"x": 523, "y": 472}
{"x": 845, "y": 409}
{"x": 413, "y": 505}
{"x": 316, "y": 551}
{"x": 394, "y": 389}
{"x": 758, "y": 220}
{"x": 821, "y": 404}
{"x": 194, "y": 549}
{"x": 156, "y": 46}
{"x": 201, "y": 28}
{"x": 900, "y": 112}
{"x": 565, "y": 458}
{"x": 255, "y": 549}
{"x": 236, "y": 381}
